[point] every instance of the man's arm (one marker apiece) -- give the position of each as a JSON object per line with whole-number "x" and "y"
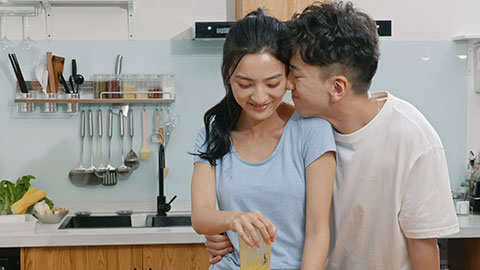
{"x": 218, "y": 246}
{"x": 424, "y": 254}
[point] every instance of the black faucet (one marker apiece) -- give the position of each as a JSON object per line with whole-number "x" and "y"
{"x": 160, "y": 219}
{"x": 162, "y": 206}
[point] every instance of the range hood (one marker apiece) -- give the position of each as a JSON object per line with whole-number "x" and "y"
{"x": 212, "y": 30}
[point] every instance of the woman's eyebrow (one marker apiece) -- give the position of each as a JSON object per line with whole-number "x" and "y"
{"x": 274, "y": 76}
{"x": 242, "y": 77}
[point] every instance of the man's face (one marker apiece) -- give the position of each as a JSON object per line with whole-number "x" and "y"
{"x": 309, "y": 91}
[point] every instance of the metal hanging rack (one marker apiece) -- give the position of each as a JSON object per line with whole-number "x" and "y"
{"x": 20, "y": 8}
{"x": 17, "y": 8}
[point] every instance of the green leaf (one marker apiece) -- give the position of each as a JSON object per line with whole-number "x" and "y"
{"x": 49, "y": 202}
{"x": 22, "y": 186}
{"x": 10, "y": 192}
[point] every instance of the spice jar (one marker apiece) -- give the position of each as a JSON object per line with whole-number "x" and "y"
{"x": 168, "y": 86}
{"x": 99, "y": 85}
{"x": 141, "y": 83}
{"x": 128, "y": 86}
{"x": 113, "y": 86}
{"x": 155, "y": 82}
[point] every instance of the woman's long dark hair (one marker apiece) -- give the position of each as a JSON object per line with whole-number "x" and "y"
{"x": 256, "y": 33}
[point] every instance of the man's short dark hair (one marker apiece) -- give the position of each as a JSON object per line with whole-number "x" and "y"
{"x": 339, "y": 37}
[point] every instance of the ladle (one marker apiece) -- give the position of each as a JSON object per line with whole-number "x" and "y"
{"x": 123, "y": 170}
{"x": 77, "y": 175}
{"x": 131, "y": 159}
{"x": 101, "y": 170}
{"x": 92, "y": 178}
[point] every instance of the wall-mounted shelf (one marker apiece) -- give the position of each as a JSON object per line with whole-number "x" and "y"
{"x": 48, "y": 4}
{"x": 127, "y": 4}
{"x": 99, "y": 101}
{"x": 48, "y": 102}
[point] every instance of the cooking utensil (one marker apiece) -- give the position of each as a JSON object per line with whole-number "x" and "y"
{"x": 77, "y": 78}
{"x": 21, "y": 80}
{"x": 18, "y": 72}
{"x": 92, "y": 178}
{"x": 66, "y": 89}
{"x": 45, "y": 80}
{"x": 57, "y": 63}
{"x": 110, "y": 178}
{"x": 113, "y": 86}
{"x": 157, "y": 115}
{"x": 76, "y": 175}
{"x": 131, "y": 159}
{"x": 40, "y": 70}
{"x": 170, "y": 125}
{"x": 101, "y": 170}
{"x": 51, "y": 75}
{"x": 70, "y": 80}
{"x": 144, "y": 151}
{"x": 123, "y": 170}
{"x": 118, "y": 65}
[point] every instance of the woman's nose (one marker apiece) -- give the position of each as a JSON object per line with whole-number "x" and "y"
{"x": 260, "y": 95}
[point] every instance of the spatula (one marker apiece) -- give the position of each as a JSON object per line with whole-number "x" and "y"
{"x": 144, "y": 151}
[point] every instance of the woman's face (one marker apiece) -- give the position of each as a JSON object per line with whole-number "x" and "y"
{"x": 258, "y": 85}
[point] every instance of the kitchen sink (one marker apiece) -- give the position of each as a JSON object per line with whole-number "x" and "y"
{"x": 72, "y": 222}
{"x": 118, "y": 221}
{"x": 161, "y": 221}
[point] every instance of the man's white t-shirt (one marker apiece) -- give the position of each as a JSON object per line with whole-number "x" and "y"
{"x": 392, "y": 183}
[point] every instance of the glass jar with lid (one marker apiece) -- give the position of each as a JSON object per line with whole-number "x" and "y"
{"x": 129, "y": 87}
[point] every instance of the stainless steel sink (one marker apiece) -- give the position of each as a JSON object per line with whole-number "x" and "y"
{"x": 116, "y": 221}
{"x": 72, "y": 222}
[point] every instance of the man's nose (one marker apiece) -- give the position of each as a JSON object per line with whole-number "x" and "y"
{"x": 290, "y": 81}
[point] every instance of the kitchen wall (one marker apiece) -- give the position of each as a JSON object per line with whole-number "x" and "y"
{"x": 49, "y": 148}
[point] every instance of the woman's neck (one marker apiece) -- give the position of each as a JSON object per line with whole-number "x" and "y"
{"x": 264, "y": 127}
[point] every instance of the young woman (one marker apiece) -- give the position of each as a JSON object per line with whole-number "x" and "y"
{"x": 268, "y": 168}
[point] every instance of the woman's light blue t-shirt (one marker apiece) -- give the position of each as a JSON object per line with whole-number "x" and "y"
{"x": 275, "y": 187}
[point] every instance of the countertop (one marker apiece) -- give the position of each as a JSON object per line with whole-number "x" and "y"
{"x": 50, "y": 235}
{"x": 469, "y": 227}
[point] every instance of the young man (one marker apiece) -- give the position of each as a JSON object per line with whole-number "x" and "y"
{"x": 392, "y": 190}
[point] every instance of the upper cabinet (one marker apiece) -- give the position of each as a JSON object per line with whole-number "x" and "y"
{"x": 282, "y": 10}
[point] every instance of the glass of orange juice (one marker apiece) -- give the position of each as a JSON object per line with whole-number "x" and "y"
{"x": 253, "y": 258}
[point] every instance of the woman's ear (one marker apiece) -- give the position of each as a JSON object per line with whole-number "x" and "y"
{"x": 339, "y": 88}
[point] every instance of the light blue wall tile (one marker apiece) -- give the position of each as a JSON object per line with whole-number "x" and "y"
{"x": 48, "y": 148}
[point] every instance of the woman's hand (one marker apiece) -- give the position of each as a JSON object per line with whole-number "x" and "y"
{"x": 251, "y": 222}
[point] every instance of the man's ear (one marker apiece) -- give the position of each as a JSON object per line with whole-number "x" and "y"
{"x": 339, "y": 88}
